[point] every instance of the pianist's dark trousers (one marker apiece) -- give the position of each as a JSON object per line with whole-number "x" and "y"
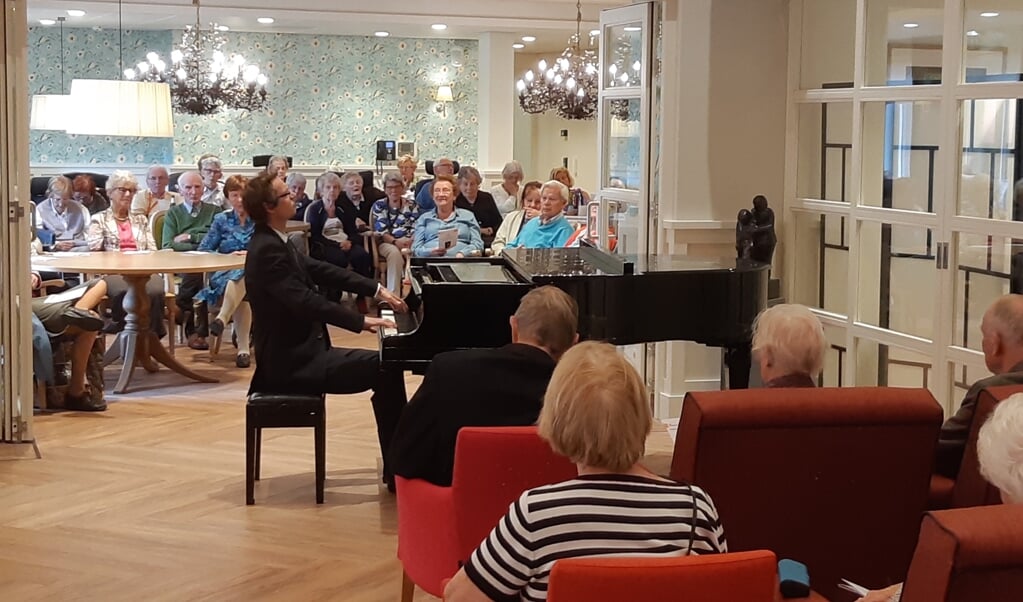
{"x": 356, "y": 370}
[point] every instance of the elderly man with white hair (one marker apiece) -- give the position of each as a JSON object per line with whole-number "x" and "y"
{"x": 551, "y": 228}
{"x": 155, "y": 196}
{"x": 789, "y": 345}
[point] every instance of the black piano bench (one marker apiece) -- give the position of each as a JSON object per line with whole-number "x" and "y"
{"x": 283, "y": 410}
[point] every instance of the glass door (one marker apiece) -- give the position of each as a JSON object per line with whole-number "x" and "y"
{"x": 15, "y": 330}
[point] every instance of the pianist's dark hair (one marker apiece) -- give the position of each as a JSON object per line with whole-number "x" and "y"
{"x": 258, "y": 196}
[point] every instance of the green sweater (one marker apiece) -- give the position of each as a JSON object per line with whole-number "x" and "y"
{"x": 180, "y": 221}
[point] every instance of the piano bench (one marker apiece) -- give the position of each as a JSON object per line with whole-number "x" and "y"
{"x": 283, "y": 410}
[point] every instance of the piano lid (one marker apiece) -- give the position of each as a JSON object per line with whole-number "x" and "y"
{"x": 588, "y": 261}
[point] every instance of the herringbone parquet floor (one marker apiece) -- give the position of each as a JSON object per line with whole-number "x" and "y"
{"x": 146, "y": 500}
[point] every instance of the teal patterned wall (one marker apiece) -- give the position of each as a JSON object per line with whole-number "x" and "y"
{"x": 331, "y": 98}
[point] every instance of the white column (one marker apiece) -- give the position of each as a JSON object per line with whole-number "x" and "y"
{"x": 497, "y": 101}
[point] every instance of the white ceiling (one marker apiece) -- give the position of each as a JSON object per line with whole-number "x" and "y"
{"x": 551, "y": 21}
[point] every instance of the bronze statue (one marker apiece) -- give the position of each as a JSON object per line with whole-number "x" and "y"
{"x": 744, "y": 228}
{"x": 764, "y": 238}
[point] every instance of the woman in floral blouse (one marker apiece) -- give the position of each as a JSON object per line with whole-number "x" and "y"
{"x": 393, "y": 220}
{"x": 230, "y": 233}
{"x": 117, "y": 229}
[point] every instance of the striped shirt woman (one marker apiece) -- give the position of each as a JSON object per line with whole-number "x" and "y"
{"x": 592, "y": 515}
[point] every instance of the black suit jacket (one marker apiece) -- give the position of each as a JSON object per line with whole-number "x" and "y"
{"x": 290, "y": 316}
{"x": 475, "y": 387}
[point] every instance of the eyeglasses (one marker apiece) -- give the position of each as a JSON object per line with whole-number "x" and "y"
{"x": 126, "y": 190}
{"x": 212, "y": 171}
{"x": 393, "y": 186}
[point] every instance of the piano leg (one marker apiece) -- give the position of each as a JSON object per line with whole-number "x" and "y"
{"x": 739, "y": 360}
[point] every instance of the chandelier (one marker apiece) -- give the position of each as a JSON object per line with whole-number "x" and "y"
{"x": 568, "y": 86}
{"x": 202, "y": 77}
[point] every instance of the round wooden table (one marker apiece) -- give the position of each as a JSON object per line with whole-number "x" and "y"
{"x": 138, "y": 342}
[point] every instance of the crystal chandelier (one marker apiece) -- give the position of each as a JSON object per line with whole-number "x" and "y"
{"x": 202, "y": 78}
{"x": 569, "y": 85}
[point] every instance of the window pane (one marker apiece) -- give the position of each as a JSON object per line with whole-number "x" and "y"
{"x": 900, "y": 154}
{"x": 829, "y": 36}
{"x": 822, "y": 261}
{"x": 825, "y": 151}
{"x": 983, "y": 275}
{"x": 623, "y": 143}
{"x": 990, "y": 135}
{"x": 888, "y": 366}
{"x": 992, "y": 40}
{"x": 833, "y": 372}
{"x": 898, "y": 278}
{"x": 903, "y": 42}
{"x": 623, "y": 54}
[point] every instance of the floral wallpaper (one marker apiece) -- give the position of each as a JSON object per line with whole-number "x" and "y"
{"x": 331, "y": 98}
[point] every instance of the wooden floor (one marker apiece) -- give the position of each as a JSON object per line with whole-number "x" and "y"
{"x": 146, "y": 500}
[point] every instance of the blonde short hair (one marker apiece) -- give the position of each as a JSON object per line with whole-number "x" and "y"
{"x": 1000, "y": 448}
{"x": 794, "y": 337}
{"x": 59, "y": 185}
{"x": 596, "y": 411}
{"x": 550, "y": 317}
{"x": 407, "y": 160}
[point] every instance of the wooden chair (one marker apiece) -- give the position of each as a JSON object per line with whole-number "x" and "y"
{"x": 170, "y": 306}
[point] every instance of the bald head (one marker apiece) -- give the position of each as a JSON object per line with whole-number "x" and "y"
{"x": 191, "y": 187}
{"x": 1002, "y": 330}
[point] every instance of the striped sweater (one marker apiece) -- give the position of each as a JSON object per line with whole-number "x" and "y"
{"x": 591, "y": 515}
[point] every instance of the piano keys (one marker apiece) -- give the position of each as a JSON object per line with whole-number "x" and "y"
{"x": 466, "y": 303}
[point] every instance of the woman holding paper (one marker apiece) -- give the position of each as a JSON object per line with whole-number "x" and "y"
{"x": 446, "y": 231}
{"x": 116, "y": 229}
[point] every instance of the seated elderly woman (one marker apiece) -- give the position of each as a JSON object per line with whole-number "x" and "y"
{"x": 296, "y": 184}
{"x": 445, "y": 230}
{"x": 333, "y": 233}
{"x": 155, "y": 197}
{"x": 578, "y": 197}
{"x": 551, "y": 228}
{"x": 506, "y": 194}
{"x": 407, "y": 165}
{"x": 481, "y": 204}
{"x": 64, "y": 219}
{"x": 789, "y": 346}
{"x": 230, "y": 232}
{"x": 393, "y": 220}
{"x": 117, "y": 229}
{"x": 277, "y": 165}
{"x": 83, "y": 190}
{"x": 1000, "y": 454}
{"x": 513, "y": 222}
{"x": 615, "y": 507}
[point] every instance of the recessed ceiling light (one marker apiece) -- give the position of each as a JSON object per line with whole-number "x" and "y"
{"x": 381, "y": 34}
{"x": 265, "y": 20}
{"x": 518, "y": 45}
{"x": 223, "y": 28}
{"x": 984, "y": 14}
{"x": 911, "y": 25}
{"x": 438, "y": 27}
{"x": 632, "y": 28}
{"x": 973, "y": 33}
{"x": 594, "y": 32}
{"x": 47, "y": 22}
{"x": 528, "y": 38}
{"x": 81, "y": 13}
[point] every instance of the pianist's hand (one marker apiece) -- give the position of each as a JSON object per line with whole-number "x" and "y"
{"x": 387, "y": 296}
{"x": 372, "y": 324}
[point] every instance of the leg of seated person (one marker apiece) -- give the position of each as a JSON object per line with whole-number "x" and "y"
{"x": 92, "y": 297}
{"x": 243, "y": 326}
{"x": 190, "y": 285}
{"x": 395, "y": 264}
{"x": 157, "y": 301}
{"x": 234, "y": 294}
{"x": 80, "y": 350}
{"x": 361, "y": 260}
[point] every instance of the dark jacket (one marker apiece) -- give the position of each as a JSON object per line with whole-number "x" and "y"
{"x": 467, "y": 388}
{"x": 290, "y": 317}
{"x": 485, "y": 210}
{"x": 955, "y": 431}
{"x": 369, "y": 197}
{"x": 316, "y": 215}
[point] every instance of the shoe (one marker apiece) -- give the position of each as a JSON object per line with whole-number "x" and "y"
{"x": 217, "y": 327}
{"x": 197, "y": 342}
{"x": 242, "y": 360}
{"x": 361, "y": 305}
{"x": 389, "y": 483}
{"x": 83, "y": 403}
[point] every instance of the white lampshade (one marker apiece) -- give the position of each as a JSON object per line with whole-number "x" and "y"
{"x": 50, "y": 112}
{"x": 121, "y": 108}
{"x": 444, "y": 94}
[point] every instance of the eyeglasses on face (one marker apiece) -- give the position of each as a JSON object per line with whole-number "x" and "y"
{"x": 126, "y": 190}
{"x": 393, "y": 186}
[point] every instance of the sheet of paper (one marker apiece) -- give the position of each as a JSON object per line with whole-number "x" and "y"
{"x": 857, "y": 589}
{"x": 196, "y": 253}
{"x": 447, "y": 238}
{"x": 136, "y": 252}
{"x": 72, "y": 294}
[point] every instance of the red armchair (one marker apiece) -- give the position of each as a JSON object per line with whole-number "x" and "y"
{"x": 746, "y": 576}
{"x": 440, "y": 526}
{"x": 968, "y": 554}
{"x": 970, "y": 488}
{"x": 834, "y": 478}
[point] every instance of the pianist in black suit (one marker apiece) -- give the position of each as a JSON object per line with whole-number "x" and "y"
{"x": 484, "y": 387}
{"x": 293, "y": 352}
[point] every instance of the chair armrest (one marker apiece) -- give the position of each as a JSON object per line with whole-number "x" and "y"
{"x": 427, "y": 545}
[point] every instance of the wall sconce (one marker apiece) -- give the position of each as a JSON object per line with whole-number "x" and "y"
{"x": 444, "y": 96}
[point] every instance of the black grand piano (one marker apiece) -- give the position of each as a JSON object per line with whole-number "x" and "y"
{"x": 465, "y": 303}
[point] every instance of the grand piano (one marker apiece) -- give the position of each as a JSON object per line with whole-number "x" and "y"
{"x": 466, "y": 303}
